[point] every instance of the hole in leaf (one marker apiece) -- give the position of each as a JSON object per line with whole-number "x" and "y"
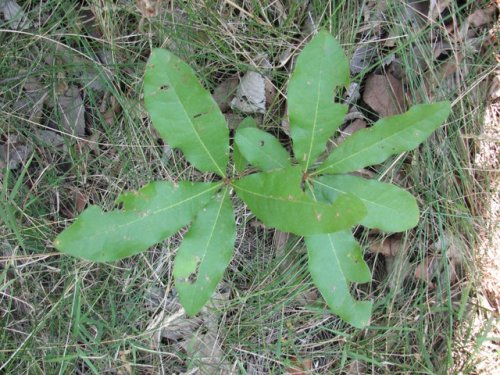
{"x": 261, "y": 143}
{"x": 164, "y": 87}
{"x": 193, "y": 277}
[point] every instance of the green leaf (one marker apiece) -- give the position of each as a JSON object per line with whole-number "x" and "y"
{"x": 389, "y": 208}
{"x": 388, "y": 136}
{"x": 150, "y": 215}
{"x": 240, "y": 163}
{"x": 320, "y": 68}
{"x": 278, "y": 201}
{"x": 261, "y": 149}
{"x": 184, "y": 113}
{"x": 335, "y": 260}
{"x": 205, "y": 253}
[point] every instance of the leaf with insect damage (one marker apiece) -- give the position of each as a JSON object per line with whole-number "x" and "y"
{"x": 184, "y": 113}
{"x": 389, "y": 208}
{"x": 277, "y": 200}
{"x": 389, "y": 136}
{"x": 205, "y": 253}
{"x": 321, "y": 68}
{"x": 150, "y": 215}
{"x": 261, "y": 149}
{"x": 336, "y": 260}
{"x": 240, "y": 163}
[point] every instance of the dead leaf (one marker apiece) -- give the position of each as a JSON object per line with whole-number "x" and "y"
{"x": 14, "y": 14}
{"x": 396, "y": 70}
{"x": 280, "y": 240}
{"x": 31, "y": 100}
{"x": 427, "y": 270}
{"x": 306, "y": 298}
{"x": 299, "y": 367}
{"x": 205, "y": 349}
{"x": 113, "y": 109}
{"x": 73, "y": 111}
{"x": 234, "y": 119}
{"x": 177, "y": 326}
{"x": 254, "y": 91}
{"x": 14, "y": 153}
{"x": 494, "y": 92}
{"x": 270, "y": 92}
{"x": 432, "y": 266}
{"x": 224, "y": 93}
{"x": 384, "y": 94}
{"x": 364, "y": 56}
{"x": 148, "y": 8}
{"x": 447, "y": 75}
{"x": 50, "y": 138}
{"x": 436, "y": 8}
{"x": 389, "y": 246}
{"x": 80, "y": 201}
{"x": 250, "y": 95}
{"x": 126, "y": 364}
{"x": 205, "y": 352}
{"x": 353, "y": 127}
{"x": 352, "y": 93}
{"x": 353, "y": 114}
{"x": 356, "y": 368}
{"x": 285, "y": 123}
{"x": 482, "y": 17}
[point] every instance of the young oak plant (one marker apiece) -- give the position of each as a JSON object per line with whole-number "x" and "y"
{"x": 318, "y": 200}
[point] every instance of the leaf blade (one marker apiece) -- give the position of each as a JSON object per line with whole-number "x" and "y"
{"x": 184, "y": 113}
{"x": 335, "y": 260}
{"x": 320, "y": 67}
{"x": 205, "y": 253}
{"x": 277, "y": 200}
{"x": 240, "y": 163}
{"x": 389, "y": 136}
{"x": 389, "y": 208}
{"x": 153, "y": 213}
{"x": 261, "y": 149}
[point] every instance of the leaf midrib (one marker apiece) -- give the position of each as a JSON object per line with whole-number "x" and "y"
{"x": 343, "y": 191}
{"x": 360, "y": 134}
{"x": 281, "y": 199}
{"x": 157, "y": 212}
{"x": 216, "y": 221}
{"x": 178, "y": 98}
{"x": 265, "y": 154}
{"x": 308, "y": 159}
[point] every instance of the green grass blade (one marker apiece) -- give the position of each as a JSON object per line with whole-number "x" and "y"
{"x": 335, "y": 260}
{"x": 278, "y": 201}
{"x": 150, "y": 215}
{"x": 205, "y": 253}
{"x": 320, "y": 68}
{"x": 184, "y": 113}
{"x": 389, "y": 208}
{"x": 261, "y": 149}
{"x": 389, "y": 136}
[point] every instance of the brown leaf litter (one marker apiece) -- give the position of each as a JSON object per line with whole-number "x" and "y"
{"x": 72, "y": 109}
{"x": 384, "y": 94}
{"x": 254, "y": 91}
{"x": 14, "y": 153}
{"x": 450, "y": 247}
{"x": 14, "y": 15}
{"x": 198, "y": 336}
{"x": 389, "y": 246}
